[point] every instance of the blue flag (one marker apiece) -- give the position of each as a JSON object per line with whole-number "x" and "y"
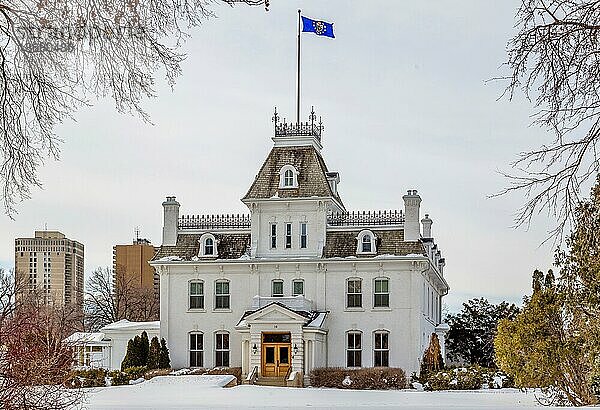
{"x": 320, "y": 28}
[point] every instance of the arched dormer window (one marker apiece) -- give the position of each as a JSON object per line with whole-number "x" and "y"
{"x": 208, "y": 246}
{"x": 288, "y": 177}
{"x": 366, "y": 242}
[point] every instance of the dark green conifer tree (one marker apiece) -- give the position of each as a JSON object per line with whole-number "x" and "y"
{"x": 164, "y": 361}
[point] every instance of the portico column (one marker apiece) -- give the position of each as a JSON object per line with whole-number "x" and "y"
{"x": 254, "y": 357}
{"x": 297, "y": 352}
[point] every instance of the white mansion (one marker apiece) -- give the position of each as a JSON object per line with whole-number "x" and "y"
{"x": 299, "y": 282}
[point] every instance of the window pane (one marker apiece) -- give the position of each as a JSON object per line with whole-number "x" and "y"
{"x": 277, "y": 289}
{"x": 298, "y": 288}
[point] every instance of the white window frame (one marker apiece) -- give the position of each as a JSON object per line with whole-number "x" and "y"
{"x": 381, "y": 350}
{"x": 223, "y": 295}
{"x": 303, "y": 235}
{"x": 222, "y": 350}
{"x": 273, "y": 282}
{"x": 348, "y": 293}
{"x": 288, "y": 235}
{"x": 202, "y": 251}
{"x": 359, "y": 242}
{"x": 200, "y": 295}
{"x": 375, "y": 293}
{"x": 353, "y": 349}
{"x": 283, "y": 180}
{"x": 196, "y": 350}
{"x": 294, "y": 288}
{"x": 273, "y": 235}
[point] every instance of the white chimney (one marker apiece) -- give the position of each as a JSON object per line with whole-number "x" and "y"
{"x": 427, "y": 222}
{"x": 412, "y": 227}
{"x": 170, "y": 220}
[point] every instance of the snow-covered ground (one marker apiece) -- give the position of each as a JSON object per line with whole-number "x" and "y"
{"x": 204, "y": 392}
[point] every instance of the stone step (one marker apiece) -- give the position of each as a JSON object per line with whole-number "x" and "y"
{"x": 271, "y": 381}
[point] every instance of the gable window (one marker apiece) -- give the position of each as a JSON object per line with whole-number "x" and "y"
{"x": 222, "y": 294}
{"x": 303, "y": 235}
{"x": 196, "y": 350}
{"x": 288, "y": 177}
{"x": 297, "y": 287}
{"x": 222, "y": 349}
{"x": 381, "y": 296}
{"x": 354, "y": 293}
{"x": 353, "y": 349}
{"x": 208, "y": 246}
{"x": 196, "y": 294}
{"x": 273, "y": 235}
{"x": 381, "y": 349}
{"x": 277, "y": 288}
{"x": 288, "y": 235}
{"x": 366, "y": 242}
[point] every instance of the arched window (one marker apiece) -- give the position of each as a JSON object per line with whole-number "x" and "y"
{"x": 354, "y": 293}
{"x": 222, "y": 349}
{"x": 222, "y": 296}
{"x": 196, "y": 294}
{"x": 381, "y": 294}
{"x": 353, "y": 349}
{"x": 196, "y": 349}
{"x": 288, "y": 177}
{"x": 366, "y": 242}
{"x": 381, "y": 349}
{"x": 208, "y": 246}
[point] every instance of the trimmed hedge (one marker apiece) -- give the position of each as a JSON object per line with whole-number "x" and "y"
{"x": 86, "y": 378}
{"x": 373, "y": 378}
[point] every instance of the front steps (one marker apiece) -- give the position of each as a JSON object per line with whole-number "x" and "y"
{"x": 271, "y": 381}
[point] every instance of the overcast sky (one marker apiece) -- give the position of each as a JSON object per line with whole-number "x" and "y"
{"x": 405, "y": 103}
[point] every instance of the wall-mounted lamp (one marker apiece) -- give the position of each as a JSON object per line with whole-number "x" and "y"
{"x": 295, "y": 349}
{"x": 254, "y": 349}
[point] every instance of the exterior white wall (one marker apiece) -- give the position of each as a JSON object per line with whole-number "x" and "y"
{"x": 325, "y": 285}
{"x": 281, "y": 211}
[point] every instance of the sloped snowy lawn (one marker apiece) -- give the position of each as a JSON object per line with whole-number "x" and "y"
{"x": 204, "y": 392}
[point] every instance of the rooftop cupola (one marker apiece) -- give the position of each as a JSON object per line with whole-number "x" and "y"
{"x": 300, "y": 134}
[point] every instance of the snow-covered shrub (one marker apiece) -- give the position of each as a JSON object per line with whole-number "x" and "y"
{"x": 86, "y": 378}
{"x": 119, "y": 378}
{"x": 374, "y": 378}
{"x": 460, "y": 378}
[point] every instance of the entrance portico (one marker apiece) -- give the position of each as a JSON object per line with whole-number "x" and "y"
{"x": 277, "y": 340}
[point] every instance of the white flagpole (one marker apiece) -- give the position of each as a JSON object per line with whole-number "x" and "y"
{"x": 298, "y": 76}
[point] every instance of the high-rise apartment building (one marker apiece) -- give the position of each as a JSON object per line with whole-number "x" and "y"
{"x": 131, "y": 268}
{"x": 51, "y": 264}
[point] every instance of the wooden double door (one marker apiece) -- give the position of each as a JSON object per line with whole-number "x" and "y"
{"x": 276, "y": 356}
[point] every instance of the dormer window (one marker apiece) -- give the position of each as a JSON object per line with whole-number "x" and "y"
{"x": 208, "y": 246}
{"x": 366, "y": 243}
{"x": 288, "y": 177}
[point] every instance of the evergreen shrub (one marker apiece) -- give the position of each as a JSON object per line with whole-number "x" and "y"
{"x": 86, "y": 378}
{"x": 373, "y": 378}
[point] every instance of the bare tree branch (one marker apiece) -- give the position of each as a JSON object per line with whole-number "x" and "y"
{"x": 555, "y": 60}
{"x": 56, "y": 54}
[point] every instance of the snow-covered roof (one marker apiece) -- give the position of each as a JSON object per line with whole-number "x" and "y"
{"x": 85, "y": 338}
{"x": 318, "y": 320}
{"x": 125, "y": 324}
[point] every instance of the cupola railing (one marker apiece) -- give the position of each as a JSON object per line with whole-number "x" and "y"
{"x": 309, "y": 128}
{"x": 365, "y": 218}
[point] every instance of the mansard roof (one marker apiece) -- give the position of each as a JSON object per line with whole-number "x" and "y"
{"x": 312, "y": 177}
{"x": 341, "y": 244}
{"x": 229, "y": 246}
